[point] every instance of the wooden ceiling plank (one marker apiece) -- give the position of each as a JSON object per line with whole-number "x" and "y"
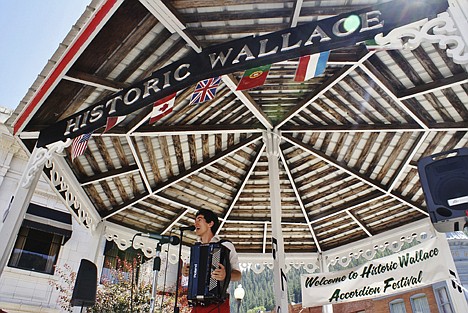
{"x": 365, "y": 94}
{"x": 382, "y": 128}
{"x": 178, "y": 153}
{"x": 440, "y": 84}
{"x": 192, "y": 149}
{"x": 366, "y": 150}
{"x": 325, "y": 87}
{"x": 164, "y": 150}
{"x": 339, "y": 144}
{"x": 136, "y": 156}
{"x": 178, "y": 130}
{"x": 360, "y": 108}
{"x": 393, "y": 156}
{"x": 94, "y": 81}
{"x": 200, "y": 166}
{"x": 356, "y": 138}
{"x": 121, "y": 207}
{"x": 352, "y": 172}
{"x": 298, "y": 197}
{"x": 439, "y": 107}
{"x": 414, "y": 110}
{"x": 205, "y": 147}
{"x": 243, "y": 181}
{"x": 221, "y": 179}
{"x": 361, "y": 224}
{"x": 149, "y": 149}
{"x": 364, "y": 201}
{"x": 145, "y": 54}
{"x": 384, "y": 146}
{"x": 117, "y": 146}
{"x": 110, "y": 174}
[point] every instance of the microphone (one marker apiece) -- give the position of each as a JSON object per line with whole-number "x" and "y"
{"x": 191, "y": 228}
{"x": 173, "y": 240}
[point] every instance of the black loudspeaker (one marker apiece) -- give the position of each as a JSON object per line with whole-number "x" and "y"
{"x": 84, "y": 292}
{"x": 444, "y": 180}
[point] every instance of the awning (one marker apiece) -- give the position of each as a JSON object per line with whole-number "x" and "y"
{"x": 48, "y": 220}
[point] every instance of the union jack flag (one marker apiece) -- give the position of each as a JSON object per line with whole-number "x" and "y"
{"x": 79, "y": 145}
{"x": 205, "y": 90}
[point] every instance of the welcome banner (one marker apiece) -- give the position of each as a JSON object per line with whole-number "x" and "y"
{"x": 412, "y": 268}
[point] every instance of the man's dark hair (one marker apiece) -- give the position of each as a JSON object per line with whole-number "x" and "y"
{"x": 210, "y": 216}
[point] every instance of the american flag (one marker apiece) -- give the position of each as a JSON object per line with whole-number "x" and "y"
{"x": 79, "y": 145}
{"x": 205, "y": 90}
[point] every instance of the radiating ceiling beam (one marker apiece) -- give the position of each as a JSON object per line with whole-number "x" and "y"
{"x": 242, "y": 186}
{"x": 136, "y": 157}
{"x": 389, "y": 92}
{"x": 196, "y": 129}
{"x": 349, "y": 171}
{"x": 408, "y": 158}
{"x": 441, "y": 84}
{"x": 355, "y": 219}
{"x": 203, "y": 165}
{"x": 325, "y": 87}
{"x": 296, "y": 13}
{"x": 167, "y": 16}
{"x": 299, "y": 200}
{"x": 109, "y": 175}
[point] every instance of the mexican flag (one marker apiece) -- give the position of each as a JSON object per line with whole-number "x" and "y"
{"x": 254, "y": 77}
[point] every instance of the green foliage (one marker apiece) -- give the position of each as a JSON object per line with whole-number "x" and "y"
{"x": 259, "y": 291}
{"x": 257, "y": 309}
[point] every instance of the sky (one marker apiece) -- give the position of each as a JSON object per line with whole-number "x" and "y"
{"x": 31, "y": 31}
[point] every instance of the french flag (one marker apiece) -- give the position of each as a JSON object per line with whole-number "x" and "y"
{"x": 311, "y": 66}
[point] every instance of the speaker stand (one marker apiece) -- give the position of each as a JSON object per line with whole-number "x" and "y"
{"x": 156, "y": 269}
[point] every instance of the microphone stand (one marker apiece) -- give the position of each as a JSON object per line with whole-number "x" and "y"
{"x": 156, "y": 269}
{"x": 176, "y": 305}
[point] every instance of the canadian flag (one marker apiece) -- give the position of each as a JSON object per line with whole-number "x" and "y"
{"x": 161, "y": 108}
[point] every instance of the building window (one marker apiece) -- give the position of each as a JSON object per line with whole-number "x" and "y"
{"x": 121, "y": 262}
{"x": 443, "y": 299}
{"x": 36, "y": 250}
{"x": 420, "y": 304}
{"x": 397, "y": 306}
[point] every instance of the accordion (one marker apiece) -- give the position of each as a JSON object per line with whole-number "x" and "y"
{"x": 204, "y": 259}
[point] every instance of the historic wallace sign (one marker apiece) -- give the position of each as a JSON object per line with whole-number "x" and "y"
{"x": 242, "y": 54}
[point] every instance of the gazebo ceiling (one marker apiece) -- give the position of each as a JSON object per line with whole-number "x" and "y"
{"x": 350, "y": 139}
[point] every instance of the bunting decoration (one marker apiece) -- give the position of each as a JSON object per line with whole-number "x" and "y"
{"x": 254, "y": 77}
{"x": 311, "y": 66}
{"x": 161, "y": 108}
{"x": 205, "y": 90}
{"x": 113, "y": 121}
{"x": 79, "y": 145}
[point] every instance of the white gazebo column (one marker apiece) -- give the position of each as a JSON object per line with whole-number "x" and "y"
{"x": 17, "y": 209}
{"x": 328, "y": 308}
{"x": 13, "y": 217}
{"x": 272, "y": 141}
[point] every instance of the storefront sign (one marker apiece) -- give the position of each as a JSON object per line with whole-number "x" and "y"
{"x": 245, "y": 53}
